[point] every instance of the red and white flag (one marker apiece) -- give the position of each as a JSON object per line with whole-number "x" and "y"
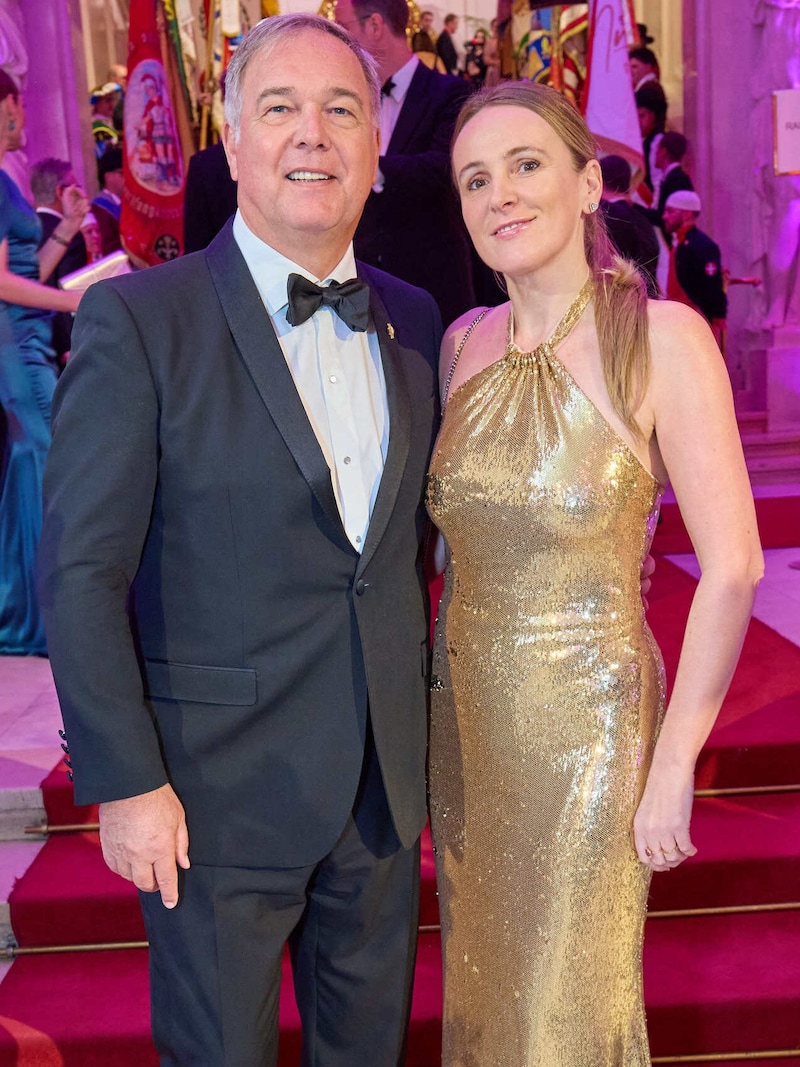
{"x": 609, "y": 106}
{"x": 151, "y": 224}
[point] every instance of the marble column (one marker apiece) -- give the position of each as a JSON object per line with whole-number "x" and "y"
{"x": 41, "y": 45}
{"x": 732, "y": 65}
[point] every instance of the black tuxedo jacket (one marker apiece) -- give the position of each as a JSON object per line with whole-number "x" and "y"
{"x": 413, "y": 229}
{"x": 185, "y": 479}
{"x": 73, "y": 259}
{"x": 209, "y": 198}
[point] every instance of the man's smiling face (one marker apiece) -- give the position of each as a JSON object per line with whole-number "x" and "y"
{"x": 307, "y": 150}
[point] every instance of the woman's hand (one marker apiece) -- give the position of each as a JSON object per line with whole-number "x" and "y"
{"x": 661, "y": 825}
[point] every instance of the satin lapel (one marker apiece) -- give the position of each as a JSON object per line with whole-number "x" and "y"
{"x": 399, "y": 402}
{"x": 413, "y": 104}
{"x": 262, "y": 355}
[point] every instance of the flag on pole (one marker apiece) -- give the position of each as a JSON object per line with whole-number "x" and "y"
{"x": 608, "y": 102}
{"x": 151, "y": 223}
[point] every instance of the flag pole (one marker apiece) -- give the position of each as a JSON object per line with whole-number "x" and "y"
{"x": 556, "y": 53}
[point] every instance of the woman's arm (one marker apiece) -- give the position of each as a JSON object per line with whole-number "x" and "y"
{"x": 698, "y": 441}
{"x": 24, "y": 291}
{"x": 51, "y": 253}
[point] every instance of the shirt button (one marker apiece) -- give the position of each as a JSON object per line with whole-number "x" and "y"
{"x": 358, "y": 539}
{"x": 347, "y": 459}
{"x": 333, "y": 378}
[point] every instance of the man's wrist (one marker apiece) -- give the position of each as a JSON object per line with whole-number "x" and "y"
{"x": 59, "y": 239}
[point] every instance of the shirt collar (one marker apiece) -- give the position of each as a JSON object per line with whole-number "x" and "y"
{"x": 402, "y": 79}
{"x": 271, "y": 270}
{"x": 40, "y": 210}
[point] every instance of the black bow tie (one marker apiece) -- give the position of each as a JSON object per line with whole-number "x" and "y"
{"x": 350, "y": 301}
{"x": 386, "y": 88}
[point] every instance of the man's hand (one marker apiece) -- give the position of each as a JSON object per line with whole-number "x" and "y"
{"x": 143, "y": 839}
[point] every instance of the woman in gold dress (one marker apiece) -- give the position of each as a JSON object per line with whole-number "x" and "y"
{"x": 556, "y": 789}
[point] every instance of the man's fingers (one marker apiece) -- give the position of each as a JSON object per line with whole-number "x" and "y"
{"x": 166, "y": 878}
{"x": 142, "y": 876}
{"x": 182, "y": 846}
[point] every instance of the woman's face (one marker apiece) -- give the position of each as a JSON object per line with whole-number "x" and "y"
{"x": 480, "y": 37}
{"x": 522, "y": 199}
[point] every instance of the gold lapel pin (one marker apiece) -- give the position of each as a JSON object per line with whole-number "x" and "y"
{"x": 390, "y": 330}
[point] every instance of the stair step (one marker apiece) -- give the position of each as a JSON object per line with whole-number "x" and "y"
{"x": 748, "y": 854}
{"x": 761, "y": 749}
{"x": 727, "y": 983}
{"x": 751, "y": 422}
{"x": 710, "y": 986}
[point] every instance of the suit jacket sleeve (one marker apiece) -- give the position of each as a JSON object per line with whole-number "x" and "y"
{"x": 99, "y": 488}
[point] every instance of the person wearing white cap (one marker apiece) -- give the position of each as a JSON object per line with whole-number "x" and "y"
{"x": 695, "y": 265}
{"x": 103, "y": 100}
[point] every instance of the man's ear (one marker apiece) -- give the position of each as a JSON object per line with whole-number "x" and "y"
{"x": 374, "y": 26}
{"x": 229, "y": 144}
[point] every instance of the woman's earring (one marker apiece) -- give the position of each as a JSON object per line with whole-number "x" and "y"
{"x": 11, "y": 125}
{"x": 593, "y": 208}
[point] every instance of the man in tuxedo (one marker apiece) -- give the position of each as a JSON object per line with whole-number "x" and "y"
{"x": 232, "y": 582}
{"x": 669, "y": 156}
{"x": 412, "y": 225}
{"x": 209, "y": 197}
{"x": 444, "y": 45}
{"x": 50, "y": 178}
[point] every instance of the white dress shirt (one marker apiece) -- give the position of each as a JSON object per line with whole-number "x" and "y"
{"x": 338, "y": 374}
{"x": 391, "y": 106}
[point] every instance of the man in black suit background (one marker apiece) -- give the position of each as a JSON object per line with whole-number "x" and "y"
{"x": 669, "y": 156}
{"x": 50, "y": 178}
{"x": 445, "y": 48}
{"x": 412, "y": 226}
{"x": 232, "y": 582}
{"x": 209, "y": 198}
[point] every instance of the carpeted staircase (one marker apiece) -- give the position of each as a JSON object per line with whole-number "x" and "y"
{"x": 722, "y": 951}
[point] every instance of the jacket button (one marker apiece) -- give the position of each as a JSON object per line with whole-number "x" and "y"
{"x": 361, "y": 585}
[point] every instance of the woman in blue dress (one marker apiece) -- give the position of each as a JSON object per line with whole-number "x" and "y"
{"x": 26, "y": 380}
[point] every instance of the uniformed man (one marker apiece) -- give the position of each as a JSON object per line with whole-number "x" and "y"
{"x": 695, "y": 268}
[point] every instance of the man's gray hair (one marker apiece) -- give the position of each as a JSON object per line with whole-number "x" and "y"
{"x": 46, "y": 176}
{"x": 276, "y": 29}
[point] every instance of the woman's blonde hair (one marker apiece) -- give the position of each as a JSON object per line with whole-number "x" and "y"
{"x": 620, "y": 293}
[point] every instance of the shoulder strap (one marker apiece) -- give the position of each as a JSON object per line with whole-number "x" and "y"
{"x": 459, "y": 350}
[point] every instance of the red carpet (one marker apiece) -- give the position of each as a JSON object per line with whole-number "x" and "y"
{"x": 713, "y": 983}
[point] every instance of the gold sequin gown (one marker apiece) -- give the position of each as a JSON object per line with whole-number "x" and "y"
{"x": 547, "y": 694}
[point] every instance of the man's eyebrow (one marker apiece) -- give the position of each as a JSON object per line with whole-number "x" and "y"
{"x": 332, "y": 92}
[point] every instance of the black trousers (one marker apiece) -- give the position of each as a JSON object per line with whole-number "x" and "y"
{"x": 350, "y": 921}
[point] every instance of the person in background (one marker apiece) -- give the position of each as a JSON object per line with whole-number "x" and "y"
{"x": 628, "y": 225}
{"x": 695, "y": 269}
{"x": 644, "y": 68}
{"x": 651, "y": 107}
{"x": 90, "y": 231}
{"x": 445, "y": 46}
{"x": 104, "y": 100}
{"x": 51, "y": 179}
{"x": 424, "y": 40}
{"x": 475, "y": 66}
{"x": 669, "y": 154}
{"x": 491, "y": 56}
{"x": 411, "y": 225}
{"x": 107, "y": 205}
{"x": 118, "y": 73}
{"x": 27, "y": 379}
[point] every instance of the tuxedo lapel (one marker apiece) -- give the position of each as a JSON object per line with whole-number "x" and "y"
{"x": 262, "y": 355}
{"x": 413, "y": 105}
{"x": 399, "y": 403}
